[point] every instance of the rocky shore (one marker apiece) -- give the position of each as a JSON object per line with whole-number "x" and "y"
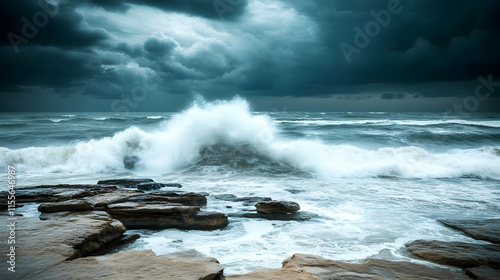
{"x": 79, "y": 225}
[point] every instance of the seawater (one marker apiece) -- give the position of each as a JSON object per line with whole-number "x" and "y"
{"x": 376, "y": 180}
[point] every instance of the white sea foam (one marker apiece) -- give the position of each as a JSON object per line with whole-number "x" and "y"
{"x": 177, "y": 144}
{"x": 155, "y": 117}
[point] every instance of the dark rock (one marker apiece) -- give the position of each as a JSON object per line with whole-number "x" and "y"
{"x": 277, "y": 207}
{"x": 483, "y": 273}
{"x": 68, "y": 205}
{"x": 127, "y": 183}
{"x": 188, "y": 199}
{"x": 457, "y": 253}
{"x": 156, "y": 186}
{"x": 115, "y": 244}
{"x": 53, "y": 193}
{"x": 297, "y": 216}
{"x": 135, "y": 215}
{"x": 487, "y": 229}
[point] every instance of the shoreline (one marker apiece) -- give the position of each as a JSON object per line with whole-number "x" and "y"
{"x": 92, "y": 220}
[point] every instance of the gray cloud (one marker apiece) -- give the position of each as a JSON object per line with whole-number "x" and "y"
{"x": 105, "y": 48}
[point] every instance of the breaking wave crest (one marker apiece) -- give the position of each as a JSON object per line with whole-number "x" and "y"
{"x": 227, "y": 135}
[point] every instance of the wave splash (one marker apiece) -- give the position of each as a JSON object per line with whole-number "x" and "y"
{"x": 228, "y": 135}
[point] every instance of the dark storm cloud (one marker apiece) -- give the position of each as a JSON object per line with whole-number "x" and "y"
{"x": 214, "y": 9}
{"x": 428, "y": 41}
{"x": 104, "y": 49}
{"x": 45, "y": 24}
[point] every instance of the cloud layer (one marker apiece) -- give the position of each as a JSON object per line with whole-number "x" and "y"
{"x": 109, "y": 50}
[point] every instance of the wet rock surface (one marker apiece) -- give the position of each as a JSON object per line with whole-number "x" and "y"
{"x": 135, "y": 209}
{"x": 59, "y": 237}
{"x": 487, "y": 230}
{"x": 302, "y": 266}
{"x": 138, "y": 265}
{"x": 325, "y": 269}
{"x": 459, "y": 254}
{"x": 277, "y": 207}
{"x": 483, "y": 273}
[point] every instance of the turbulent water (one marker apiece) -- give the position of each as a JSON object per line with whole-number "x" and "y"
{"x": 376, "y": 180}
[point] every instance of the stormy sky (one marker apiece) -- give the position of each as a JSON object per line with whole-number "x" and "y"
{"x": 295, "y": 55}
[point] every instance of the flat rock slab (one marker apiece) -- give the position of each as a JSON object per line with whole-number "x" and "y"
{"x": 137, "y": 265}
{"x": 53, "y": 193}
{"x": 125, "y": 182}
{"x": 59, "y": 237}
{"x": 457, "y": 253}
{"x": 274, "y": 274}
{"x": 277, "y": 207}
{"x": 488, "y": 229}
{"x": 374, "y": 269}
{"x": 483, "y": 273}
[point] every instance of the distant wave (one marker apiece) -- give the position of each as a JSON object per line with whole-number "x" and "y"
{"x": 228, "y": 135}
{"x": 155, "y": 117}
{"x": 495, "y": 124}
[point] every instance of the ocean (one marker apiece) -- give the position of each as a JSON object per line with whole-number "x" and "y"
{"x": 374, "y": 180}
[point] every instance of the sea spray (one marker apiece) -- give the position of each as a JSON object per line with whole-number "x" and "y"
{"x": 228, "y": 135}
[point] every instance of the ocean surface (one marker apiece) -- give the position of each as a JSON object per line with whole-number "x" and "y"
{"x": 376, "y": 180}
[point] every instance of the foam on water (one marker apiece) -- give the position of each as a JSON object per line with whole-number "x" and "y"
{"x": 209, "y": 132}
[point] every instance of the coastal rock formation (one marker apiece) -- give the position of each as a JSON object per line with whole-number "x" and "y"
{"x": 277, "y": 207}
{"x": 308, "y": 267}
{"x": 41, "y": 244}
{"x": 457, "y": 253}
{"x": 375, "y": 269}
{"x": 487, "y": 230}
{"x": 165, "y": 215}
{"x": 483, "y": 273}
{"x": 137, "y": 265}
{"x": 54, "y": 193}
{"x": 134, "y": 208}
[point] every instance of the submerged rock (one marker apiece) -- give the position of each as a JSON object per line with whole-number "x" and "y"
{"x": 488, "y": 229}
{"x": 277, "y": 207}
{"x": 457, "y": 253}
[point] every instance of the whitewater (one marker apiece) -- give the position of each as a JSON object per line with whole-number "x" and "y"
{"x": 374, "y": 180}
